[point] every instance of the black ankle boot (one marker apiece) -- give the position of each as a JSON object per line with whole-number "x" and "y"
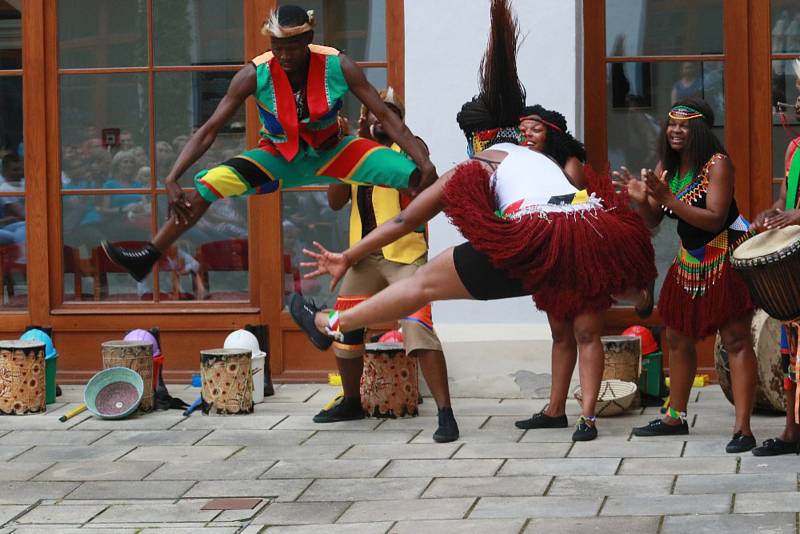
{"x": 448, "y": 428}
{"x": 137, "y": 262}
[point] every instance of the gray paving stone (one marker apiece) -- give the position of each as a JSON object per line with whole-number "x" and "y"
{"x": 238, "y": 517}
{"x": 730, "y": 524}
{"x": 61, "y": 514}
{"x": 100, "y": 470}
{"x": 165, "y": 489}
{"x": 150, "y": 421}
{"x": 282, "y": 452}
{"x": 758, "y": 503}
{"x": 594, "y": 525}
{"x": 459, "y": 526}
{"x": 625, "y": 449}
{"x": 313, "y": 468}
{"x": 296, "y": 393}
{"x": 61, "y": 529}
{"x": 301, "y": 422}
{"x": 430, "y": 422}
{"x": 361, "y": 489}
{"x": 560, "y": 466}
{"x": 222, "y": 470}
{"x": 355, "y": 437}
{"x": 182, "y": 511}
{"x": 739, "y": 483}
{"x": 274, "y": 438}
{"x": 31, "y": 492}
{"x": 21, "y": 470}
{"x": 548, "y": 435}
{"x": 666, "y": 505}
{"x": 523, "y": 486}
{"x": 441, "y": 468}
{"x": 493, "y": 407}
{"x": 513, "y": 450}
{"x": 9, "y": 512}
{"x": 7, "y": 452}
{"x": 678, "y": 466}
{"x": 611, "y": 485}
{"x": 45, "y": 453}
{"x": 42, "y": 421}
{"x": 768, "y": 464}
{"x": 708, "y": 447}
{"x": 180, "y": 453}
{"x": 509, "y": 507}
{"x": 401, "y": 451}
{"x": 50, "y": 437}
{"x": 300, "y": 513}
{"x": 408, "y": 509}
{"x": 138, "y": 438}
{"x": 278, "y": 489}
{"x": 199, "y": 530}
{"x": 473, "y": 435}
{"x": 339, "y": 528}
{"x": 240, "y": 422}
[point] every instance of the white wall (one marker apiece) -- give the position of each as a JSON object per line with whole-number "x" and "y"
{"x": 445, "y": 41}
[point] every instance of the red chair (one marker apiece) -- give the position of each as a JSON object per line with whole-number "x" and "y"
{"x": 102, "y": 265}
{"x": 229, "y": 255}
{"x": 74, "y": 265}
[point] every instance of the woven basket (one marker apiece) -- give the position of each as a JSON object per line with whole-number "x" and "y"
{"x": 614, "y": 398}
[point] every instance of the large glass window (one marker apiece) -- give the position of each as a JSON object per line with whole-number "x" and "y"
{"x": 13, "y": 244}
{"x": 785, "y": 87}
{"x": 121, "y": 133}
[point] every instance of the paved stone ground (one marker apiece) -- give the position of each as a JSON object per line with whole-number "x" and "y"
{"x": 154, "y": 473}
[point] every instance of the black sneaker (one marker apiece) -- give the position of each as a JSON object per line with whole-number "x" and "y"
{"x": 658, "y": 427}
{"x": 346, "y": 409}
{"x": 776, "y": 447}
{"x": 303, "y": 312}
{"x": 542, "y": 420}
{"x": 448, "y": 428}
{"x": 137, "y": 262}
{"x": 740, "y": 443}
{"x": 585, "y": 430}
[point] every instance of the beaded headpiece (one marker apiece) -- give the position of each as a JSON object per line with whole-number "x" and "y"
{"x": 684, "y": 113}
{"x": 483, "y": 139}
{"x": 273, "y": 27}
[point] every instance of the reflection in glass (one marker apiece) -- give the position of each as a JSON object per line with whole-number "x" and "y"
{"x": 640, "y": 95}
{"x": 196, "y": 32}
{"x": 87, "y": 220}
{"x": 663, "y": 27}
{"x": 184, "y": 101}
{"x": 11, "y": 30}
{"x": 11, "y": 114}
{"x": 102, "y": 33}
{"x": 785, "y": 26}
{"x": 308, "y": 218}
{"x": 356, "y": 27}
{"x": 102, "y": 116}
{"x": 785, "y": 114}
{"x": 13, "y": 262}
{"x": 209, "y": 261}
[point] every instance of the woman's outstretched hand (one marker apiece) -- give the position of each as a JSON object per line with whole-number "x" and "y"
{"x": 637, "y": 189}
{"x": 326, "y": 262}
{"x": 657, "y": 186}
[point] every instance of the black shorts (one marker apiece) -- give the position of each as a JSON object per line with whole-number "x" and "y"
{"x": 482, "y": 279}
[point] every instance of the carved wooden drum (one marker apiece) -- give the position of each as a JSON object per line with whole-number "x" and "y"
{"x": 390, "y": 383}
{"x": 22, "y": 383}
{"x": 227, "y": 381}
{"x": 134, "y": 355}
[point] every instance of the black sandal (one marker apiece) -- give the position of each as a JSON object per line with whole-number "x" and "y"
{"x": 777, "y": 447}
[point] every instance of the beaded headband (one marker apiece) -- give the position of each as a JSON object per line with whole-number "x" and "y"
{"x": 539, "y": 119}
{"x": 273, "y": 27}
{"x": 684, "y": 113}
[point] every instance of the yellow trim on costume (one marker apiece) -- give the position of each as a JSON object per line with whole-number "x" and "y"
{"x": 347, "y": 179}
{"x": 581, "y": 197}
{"x": 351, "y": 348}
{"x": 226, "y": 182}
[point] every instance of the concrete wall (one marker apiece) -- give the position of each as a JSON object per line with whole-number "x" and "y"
{"x": 445, "y": 41}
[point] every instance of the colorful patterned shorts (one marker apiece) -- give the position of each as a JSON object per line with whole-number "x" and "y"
{"x": 263, "y": 170}
{"x": 789, "y": 333}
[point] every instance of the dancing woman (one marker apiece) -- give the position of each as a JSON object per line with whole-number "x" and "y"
{"x": 702, "y": 294}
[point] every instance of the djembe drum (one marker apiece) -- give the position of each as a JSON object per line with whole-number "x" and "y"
{"x": 134, "y": 355}
{"x": 769, "y": 263}
{"x": 389, "y": 383}
{"x": 227, "y": 381}
{"x": 22, "y": 380}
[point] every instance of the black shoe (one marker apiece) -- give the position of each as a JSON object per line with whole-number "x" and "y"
{"x": 346, "y": 409}
{"x": 448, "y": 428}
{"x": 138, "y": 262}
{"x": 585, "y": 430}
{"x": 740, "y": 443}
{"x": 542, "y": 420}
{"x": 303, "y": 312}
{"x": 657, "y": 427}
{"x": 776, "y": 447}
{"x": 645, "y": 310}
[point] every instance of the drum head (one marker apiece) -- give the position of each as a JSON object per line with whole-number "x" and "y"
{"x": 767, "y": 242}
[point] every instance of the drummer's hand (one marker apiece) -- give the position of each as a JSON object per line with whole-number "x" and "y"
{"x": 327, "y": 262}
{"x": 623, "y": 179}
{"x": 657, "y": 186}
{"x": 782, "y": 219}
{"x": 759, "y": 223}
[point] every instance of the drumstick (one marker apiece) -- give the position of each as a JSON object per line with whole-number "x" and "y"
{"x": 72, "y": 413}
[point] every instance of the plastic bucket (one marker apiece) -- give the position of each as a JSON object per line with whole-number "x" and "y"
{"x": 50, "y": 379}
{"x": 257, "y": 366}
{"x": 651, "y": 379}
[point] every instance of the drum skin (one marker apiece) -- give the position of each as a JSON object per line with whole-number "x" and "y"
{"x": 766, "y": 333}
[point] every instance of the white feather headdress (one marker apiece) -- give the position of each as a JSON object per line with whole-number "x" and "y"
{"x": 273, "y": 28}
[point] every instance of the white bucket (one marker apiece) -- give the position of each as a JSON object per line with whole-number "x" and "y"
{"x": 257, "y": 368}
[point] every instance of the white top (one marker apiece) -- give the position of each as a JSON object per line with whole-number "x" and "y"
{"x": 526, "y": 179}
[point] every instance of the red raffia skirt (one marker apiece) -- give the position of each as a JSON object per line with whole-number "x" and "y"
{"x": 571, "y": 262}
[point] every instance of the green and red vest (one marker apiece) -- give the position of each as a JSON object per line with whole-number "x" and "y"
{"x": 793, "y": 175}
{"x": 325, "y": 90}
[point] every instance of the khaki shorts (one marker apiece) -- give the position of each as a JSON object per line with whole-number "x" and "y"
{"x": 371, "y": 275}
